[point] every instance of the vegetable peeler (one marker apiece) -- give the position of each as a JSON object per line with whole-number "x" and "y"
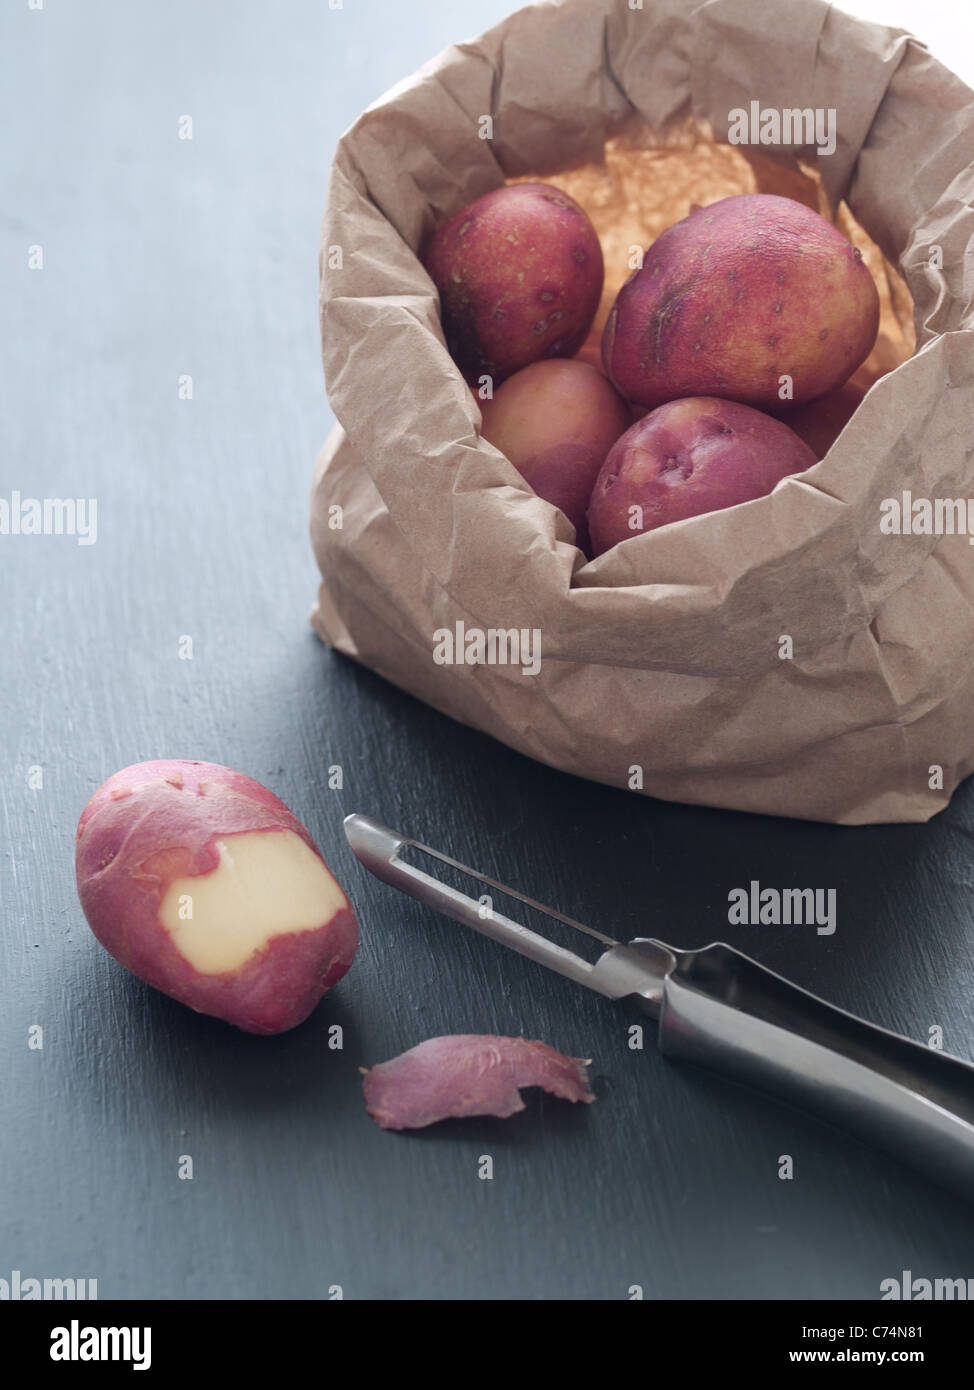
{"x": 720, "y": 1009}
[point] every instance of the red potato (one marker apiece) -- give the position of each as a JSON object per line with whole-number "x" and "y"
{"x": 201, "y": 882}
{"x": 736, "y": 296}
{"x": 519, "y": 273}
{"x": 556, "y": 421}
{"x": 686, "y": 458}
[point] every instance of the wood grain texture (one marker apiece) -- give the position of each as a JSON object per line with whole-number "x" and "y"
{"x": 164, "y": 257}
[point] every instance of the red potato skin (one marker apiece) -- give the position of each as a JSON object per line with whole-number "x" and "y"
{"x": 468, "y": 1074}
{"x": 158, "y": 821}
{"x": 736, "y": 295}
{"x": 519, "y": 273}
{"x": 556, "y": 421}
{"x": 687, "y": 458}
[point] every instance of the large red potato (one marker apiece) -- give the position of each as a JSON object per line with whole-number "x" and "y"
{"x": 686, "y": 458}
{"x": 202, "y": 883}
{"x": 519, "y": 273}
{"x": 556, "y": 421}
{"x": 738, "y": 295}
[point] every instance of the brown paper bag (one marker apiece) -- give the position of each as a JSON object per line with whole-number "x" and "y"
{"x": 662, "y": 661}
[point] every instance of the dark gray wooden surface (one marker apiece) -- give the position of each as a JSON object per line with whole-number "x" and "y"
{"x": 165, "y": 257}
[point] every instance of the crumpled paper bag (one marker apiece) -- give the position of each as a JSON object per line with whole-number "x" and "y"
{"x": 662, "y": 666}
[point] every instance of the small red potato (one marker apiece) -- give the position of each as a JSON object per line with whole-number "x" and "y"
{"x": 519, "y": 273}
{"x": 686, "y": 458}
{"x": 201, "y": 882}
{"x": 737, "y": 296}
{"x": 556, "y": 421}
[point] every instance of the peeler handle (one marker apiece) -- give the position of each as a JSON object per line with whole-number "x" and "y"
{"x": 724, "y": 1011}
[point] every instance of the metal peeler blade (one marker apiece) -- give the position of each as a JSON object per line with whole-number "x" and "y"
{"x": 718, "y": 1008}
